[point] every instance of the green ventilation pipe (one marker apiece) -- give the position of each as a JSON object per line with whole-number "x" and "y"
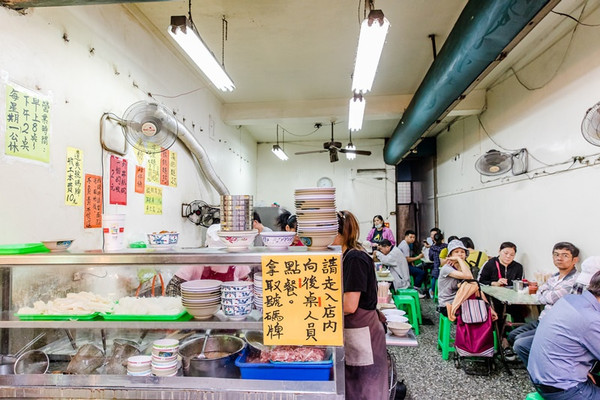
{"x": 482, "y": 33}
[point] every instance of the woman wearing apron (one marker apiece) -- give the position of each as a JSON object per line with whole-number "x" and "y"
{"x": 364, "y": 336}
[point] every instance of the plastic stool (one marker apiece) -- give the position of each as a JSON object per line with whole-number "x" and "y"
{"x": 414, "y": 293}
{"x": 534, "y": 396}
{"x": 445, "y": 342}
{"x": 435, "y": 293}
{"x": 408, "y": 303}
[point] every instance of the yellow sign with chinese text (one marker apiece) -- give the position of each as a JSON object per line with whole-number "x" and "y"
{"x": 173, "y": 169}
{"x": 27, "y": 125}
{"x": 74, "y": 177}
{"x": 302, "y": 300}
{"x": 153, "y": 200}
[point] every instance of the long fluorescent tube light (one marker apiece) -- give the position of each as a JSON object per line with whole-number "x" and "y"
{"x": 278, "y": 151}
{"x": 373, "y": 31}
{"x": 356, "y": 111}
{"x": 183, "y": 32}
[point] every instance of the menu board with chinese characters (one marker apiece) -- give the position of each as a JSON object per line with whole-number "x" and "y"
{"x": 302, "y": 300}
{"x": 118, "y": 181}
{"x": 172, "y": 169}
{"x": 153, "y": 200}
{"x": 27, "y": 125}
{"x": 164, "y": 168}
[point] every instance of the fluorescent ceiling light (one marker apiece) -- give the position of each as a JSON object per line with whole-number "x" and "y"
{"x": 278, "y": 151}
{"x": 373, "y": 31}
{"x": 356, "y": 112}
{"x": 183, "y": 32}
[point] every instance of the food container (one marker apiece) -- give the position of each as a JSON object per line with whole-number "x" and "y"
{"x": 289, "y": 371}
{"x": 221, "y": 352}
{"x": 533, "y": 287}
{"x": 518, "y": 286}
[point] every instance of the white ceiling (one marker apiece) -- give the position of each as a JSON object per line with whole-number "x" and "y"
{"x": 291, "y": 61}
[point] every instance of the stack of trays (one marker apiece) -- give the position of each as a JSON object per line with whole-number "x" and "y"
{"x": 236, "y": 212}
{"x": 258, "y": 296}
{"x": 139, "y": 365}
{"x": 164, "y": 357}
{"x": 317, "y": 219}
{"x": 237, "y": 299}
{"x": 201, "y": 298}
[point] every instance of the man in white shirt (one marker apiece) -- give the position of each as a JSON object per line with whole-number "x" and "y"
{"x": 417, "y": 273}
{"x": 395, "y": 259}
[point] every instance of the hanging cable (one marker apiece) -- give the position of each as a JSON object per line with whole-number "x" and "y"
{"x": 224, "y": 25}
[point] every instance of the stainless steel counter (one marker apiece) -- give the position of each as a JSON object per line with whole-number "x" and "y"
{"x": 129, "y": 387}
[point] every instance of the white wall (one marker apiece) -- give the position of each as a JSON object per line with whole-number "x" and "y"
{"x": 365, "y": 197}
{"x": 553, "y": 202}
{"x": 126, "y": 63}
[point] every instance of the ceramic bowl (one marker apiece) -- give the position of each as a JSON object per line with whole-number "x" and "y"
{"x": 226, "y": 294}
{"x": 318, "y": 241}
{"x": 57, "y": 245}
{"x": 237, "y": 309}
{"x": 238, "y": 239}
{"x": 238, "y": 301}
{"x": 161, "y": 239}
{"x": 277, "y": 240}
{"x": 399, "y": 328}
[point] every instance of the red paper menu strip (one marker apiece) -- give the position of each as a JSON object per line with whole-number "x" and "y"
{"x": 164, "y": 167}
{"x": 118, "y": 180}
{"x": 92, "y": 214}
{"x": 140, "y": 179}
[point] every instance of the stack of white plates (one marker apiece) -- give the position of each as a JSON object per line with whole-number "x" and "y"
{"x": 139, "y": 365}
{"x": 237, "y": 299}
{"x": 201, "y": 298}
{"x": 258, "y": 293}
{"x": 317, "y": 219}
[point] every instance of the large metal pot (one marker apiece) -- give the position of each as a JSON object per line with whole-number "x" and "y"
{"x": 221, "y": 352}
{"x": 7, "y": 369}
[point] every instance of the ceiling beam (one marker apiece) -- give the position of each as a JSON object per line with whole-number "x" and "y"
{"x": 21, "y": 4}
{"x": 378, "y": 108}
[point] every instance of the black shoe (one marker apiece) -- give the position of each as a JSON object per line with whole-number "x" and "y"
{"x": 509, "y": 354}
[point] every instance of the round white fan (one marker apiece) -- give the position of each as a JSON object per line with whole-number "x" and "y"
{"x": 590, "y": 126}
{"x": 145, "y": 126}
{"x": 494, "y": 163}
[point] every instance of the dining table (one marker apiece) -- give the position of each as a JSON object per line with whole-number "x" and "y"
{"x": 508, "y": 296}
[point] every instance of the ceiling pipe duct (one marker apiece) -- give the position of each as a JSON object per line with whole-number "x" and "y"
{"x": 482, "y": 36}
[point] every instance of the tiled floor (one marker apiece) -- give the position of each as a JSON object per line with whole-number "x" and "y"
{"x": 427, "y": 376}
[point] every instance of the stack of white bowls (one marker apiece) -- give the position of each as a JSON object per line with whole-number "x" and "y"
{"x": 201, "y": 298}
{"x": 237, "y": 299}
{"x": 258, "y": 293}
{"x": 139, "y": 365}
{"x": 164, "y": 357}
{"x": 317, "y": 219}
{"x": 237, "y": 233}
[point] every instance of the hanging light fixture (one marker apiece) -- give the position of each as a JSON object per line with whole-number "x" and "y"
{"x": 184, "y": 32}
{"x": 350, "y": 146}
{"x": 278, "y": 151}
{"x": 356, "y": 112}
{"x": 373, "y": 31}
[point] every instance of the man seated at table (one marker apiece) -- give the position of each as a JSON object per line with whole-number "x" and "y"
{"x": 565, "y": 256}
{"x": 565, "y": 346}
{"x": 395, "y": 259}
{"x": 405, "y": 247}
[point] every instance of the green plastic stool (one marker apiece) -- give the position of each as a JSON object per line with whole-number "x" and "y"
{"x": 414, "y": 293}
{"x": 534, "y": 396}
{"x": 435, "y": 293}
{"x": 445, "y": 342}
{"x": 408, "y": 304}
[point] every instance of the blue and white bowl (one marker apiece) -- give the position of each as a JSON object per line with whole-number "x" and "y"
{"x": 233, "y": 294}
{"x": 239, "y": 301}
{"x": 163, "y": 239}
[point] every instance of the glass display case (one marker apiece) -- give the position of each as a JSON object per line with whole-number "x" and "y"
{"x": 40, "y": 277}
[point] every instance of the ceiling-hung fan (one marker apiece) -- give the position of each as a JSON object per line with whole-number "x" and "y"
{"x": 332, "y": 147}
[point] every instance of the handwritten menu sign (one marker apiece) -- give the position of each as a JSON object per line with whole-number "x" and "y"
{"x": 140, "y": 179}
{"x": 74, "y": 177}
{"x": 302, "y": 300}
{"x": 153, "y": 168}
{"x": 164, "y": 168}
{"x": 172, "y": 169}
{"x": 27, "y": 125}
{"x": 92, "y": 208}
{"x": 118, "y": 180}
{"x": 153, "y": 200}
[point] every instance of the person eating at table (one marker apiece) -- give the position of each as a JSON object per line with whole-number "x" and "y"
{"x": 394, "y": 258}
{"x": 455, "y": 270}
{"x": 565, "y": 256}
{"x": 566, "y": 345}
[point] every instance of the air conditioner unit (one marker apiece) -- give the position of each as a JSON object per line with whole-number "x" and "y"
{"x": 369, "y": 173}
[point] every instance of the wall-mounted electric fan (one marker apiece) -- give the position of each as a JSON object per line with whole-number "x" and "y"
{"x": 496, "y": 162}
{"x": 590, "y": 126}
{"x": 201, "y": 213}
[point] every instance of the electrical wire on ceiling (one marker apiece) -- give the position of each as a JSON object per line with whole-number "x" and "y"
{"x": 564, "y": 56}
{"x": 317, "y": 127}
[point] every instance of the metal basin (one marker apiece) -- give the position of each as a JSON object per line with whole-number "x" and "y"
{"x": 7, "y": 369}
{"x": 221, "y": 352}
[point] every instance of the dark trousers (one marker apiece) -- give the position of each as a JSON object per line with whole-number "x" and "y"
{"x": 418, "y": 274}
